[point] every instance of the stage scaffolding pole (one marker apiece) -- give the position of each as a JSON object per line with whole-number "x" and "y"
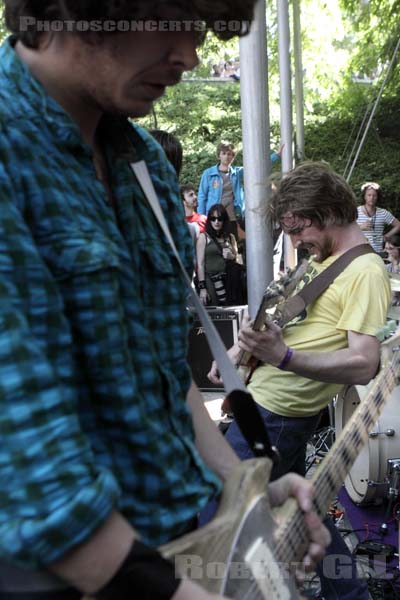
{"x": 298, "y": 80}
{"x": 256, "y": 153}
{"x": 286, "y": 107}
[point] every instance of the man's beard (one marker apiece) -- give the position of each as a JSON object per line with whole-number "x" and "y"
{"x": 324, "y": 250}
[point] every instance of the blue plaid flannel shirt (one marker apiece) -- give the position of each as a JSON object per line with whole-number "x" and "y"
{"x": 93, "y": 338}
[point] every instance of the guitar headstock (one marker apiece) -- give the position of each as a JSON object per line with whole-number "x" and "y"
{"x": 280, "y": 289}
{"x": 287, "y": 282}
{"x": 275, "y": 294}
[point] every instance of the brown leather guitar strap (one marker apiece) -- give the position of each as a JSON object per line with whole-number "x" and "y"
{"x": 295, "y": 305}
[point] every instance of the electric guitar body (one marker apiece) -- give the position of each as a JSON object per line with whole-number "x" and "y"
{"x": 248, "y": 551}
{"x": 235, "y": 554}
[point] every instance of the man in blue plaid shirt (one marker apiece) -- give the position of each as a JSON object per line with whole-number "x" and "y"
{"x": 103, "y": 437}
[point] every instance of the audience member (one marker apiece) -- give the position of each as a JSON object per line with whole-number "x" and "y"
{"x": 171, "y": 146}
{"x": 392, "y": 247}
{"x": 223, "y": 183}
{"x": 372, "y": 219}
{"x": 215, "y": 247}
{"x": 189, "y": 198}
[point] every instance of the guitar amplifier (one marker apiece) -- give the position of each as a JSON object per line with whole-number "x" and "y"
{"x": 227, "y": 322}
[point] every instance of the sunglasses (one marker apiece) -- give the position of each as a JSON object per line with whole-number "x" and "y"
{"x": 220, "y": 219}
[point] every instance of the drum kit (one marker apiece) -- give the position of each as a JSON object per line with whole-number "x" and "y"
{"x": 374, "y": 477}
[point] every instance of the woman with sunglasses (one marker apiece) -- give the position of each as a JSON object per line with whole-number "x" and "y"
{"x": 214, "y": 247}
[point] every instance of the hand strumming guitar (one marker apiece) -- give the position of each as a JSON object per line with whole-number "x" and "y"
{"x": 267, "y": 346}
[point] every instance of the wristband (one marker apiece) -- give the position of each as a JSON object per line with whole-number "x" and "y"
{"x": 285, "y": 359}
{"x": 201, "y": 285}
{"x": 144, "y": 574}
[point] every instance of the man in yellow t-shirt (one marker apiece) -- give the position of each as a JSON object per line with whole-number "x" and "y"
{"x": 332, "y": 344}
{"x": 355, "y": 302}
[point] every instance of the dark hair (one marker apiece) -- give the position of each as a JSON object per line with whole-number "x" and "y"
{"x": 221, "y": 212}
{"x": 224, "y": 146}
{"x": 187, "y": 187}
{"x": 394, "y": 240}
{"x": 314, "y": 191}
{"x": 371, "y": 185}
{"x": 209, "y": 12}
{"x": 171, "y": 146}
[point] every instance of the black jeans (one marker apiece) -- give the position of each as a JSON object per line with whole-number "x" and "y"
{"x": 55, "y": 595}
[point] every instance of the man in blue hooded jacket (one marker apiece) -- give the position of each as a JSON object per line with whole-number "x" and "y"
{"x": 223, "y": 183}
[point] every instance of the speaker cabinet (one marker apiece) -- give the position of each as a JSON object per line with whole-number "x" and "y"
{"x": 227, "y": 322}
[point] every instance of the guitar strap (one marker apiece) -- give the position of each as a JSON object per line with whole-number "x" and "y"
{"x": 243, "y": 406}
{"x": 295, "y": 305}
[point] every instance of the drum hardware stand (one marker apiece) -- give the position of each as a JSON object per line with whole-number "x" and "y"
{"x": 388, "y": 433}
{"x": 393, "y": 492}
{"x": 321, "y": 443}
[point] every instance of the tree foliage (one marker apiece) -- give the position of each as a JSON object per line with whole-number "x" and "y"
{"x": 3, "y": 32}
{"x": 341, "y": 43}
{"x": 345, "y": 42}
{"x": 376, "y": 24}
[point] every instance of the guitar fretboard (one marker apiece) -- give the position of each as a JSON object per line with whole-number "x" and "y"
{"x": 291, "y": 535}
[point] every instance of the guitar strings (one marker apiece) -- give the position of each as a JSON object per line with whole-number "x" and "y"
{"x": 325, "y": 487}
{"x": 335, "y": 465}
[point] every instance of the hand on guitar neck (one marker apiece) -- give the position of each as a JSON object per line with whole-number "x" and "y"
{"x": 234, "y": 536}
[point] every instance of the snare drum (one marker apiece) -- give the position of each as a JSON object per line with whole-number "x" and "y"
{"x": 367, "y": 480}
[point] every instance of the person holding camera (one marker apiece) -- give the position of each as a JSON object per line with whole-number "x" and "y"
{"x": 214, "y": 248}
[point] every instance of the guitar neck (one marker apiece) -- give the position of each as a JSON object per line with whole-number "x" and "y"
{"x": 336, "y": 465}
{"x": 276, "y": 292}
{"x": 269, "y": 301}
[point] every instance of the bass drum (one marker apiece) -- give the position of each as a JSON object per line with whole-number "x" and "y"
{"x": 367, "y": 481}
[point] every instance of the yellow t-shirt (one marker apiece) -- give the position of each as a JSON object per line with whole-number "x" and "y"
{"x": 357, "y": 300}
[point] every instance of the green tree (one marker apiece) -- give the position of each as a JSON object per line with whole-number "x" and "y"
{"x": 344, "y": 41}
{"x": 376, "y": 24}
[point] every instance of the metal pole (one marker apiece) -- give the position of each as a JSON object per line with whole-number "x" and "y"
{"x": 257, "y": 165}
{"x": 286, "y": 107}
{"x": 298, "y": 79}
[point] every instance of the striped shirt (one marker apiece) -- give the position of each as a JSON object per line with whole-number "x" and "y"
{"x": 374, "y": 235}
{"x": 93, "y": 338}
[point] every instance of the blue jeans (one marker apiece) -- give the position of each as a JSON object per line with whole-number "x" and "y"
{"x": 290, "y": 436}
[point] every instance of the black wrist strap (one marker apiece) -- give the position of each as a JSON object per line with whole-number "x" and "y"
{"x": 144, "y": 574}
